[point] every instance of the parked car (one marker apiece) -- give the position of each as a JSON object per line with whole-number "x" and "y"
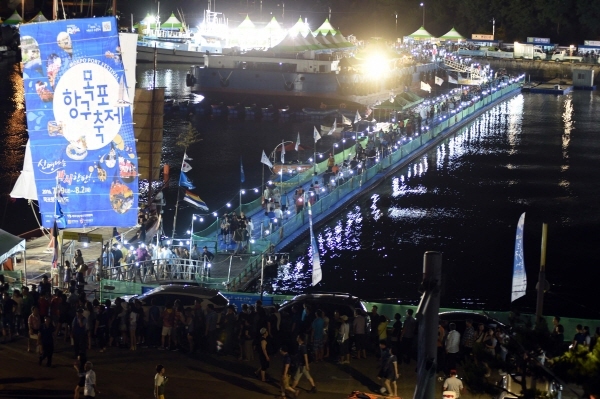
{"x": 345, "y": 304}
{"x": 187, "y": 294}
{"x": 459, "y": 318}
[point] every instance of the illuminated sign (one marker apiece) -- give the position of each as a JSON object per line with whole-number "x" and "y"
{"x": 592, "y": 43}
{"x": 477, "y": 36}
{"x": 538, "y": 40}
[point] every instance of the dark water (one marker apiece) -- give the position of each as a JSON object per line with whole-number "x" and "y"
{"x": 536, "y": 154}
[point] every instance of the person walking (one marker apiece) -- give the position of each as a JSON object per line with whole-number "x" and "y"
{"x": 46, "y": 341}
{"x": 285, "y": 376}
{"x": 452, "y": 348}
{"x": 89, "y": 390}
{"x": 303, "y": 366}
{"x": 160, "y": 379}
{"x": 263, "y": 355}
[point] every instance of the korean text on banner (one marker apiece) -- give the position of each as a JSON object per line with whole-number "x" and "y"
{"x": 79, "y": 122}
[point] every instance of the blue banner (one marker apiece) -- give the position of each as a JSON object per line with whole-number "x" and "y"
{"x": 79, "y": 122}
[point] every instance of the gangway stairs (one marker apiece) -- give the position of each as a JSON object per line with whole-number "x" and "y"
{"x": 475, "y": 73}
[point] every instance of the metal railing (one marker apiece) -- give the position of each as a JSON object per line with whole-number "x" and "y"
{"x": 159, "y": 270}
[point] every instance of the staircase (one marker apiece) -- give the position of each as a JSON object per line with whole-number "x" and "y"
{"x": 458, "y": 67}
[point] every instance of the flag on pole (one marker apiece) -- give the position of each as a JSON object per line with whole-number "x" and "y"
{"x": 346, "y": 121}
{"x": 55, "y": 249}
{"x": 264, "y": 159}
{"x": 452, "y": 80}
{"x": 439, "y": 81}
{"x": 186, "y": 158}
{"x": 196, "y": 201}
{"x": 185, "y": 167}
{"x": 316, "y": 134}
{"x": 242, "y": 175}
{"x": 425, "y": 87}
{"x": 282, "y": 152}
{"x": 185, "y": 182}
{"x": 519, "y": 283}
{"x": 317, "y": 274}
{"x": 297, "y": 142}
{"x": 357, "y": 117}
{"x": 333, "y": 127}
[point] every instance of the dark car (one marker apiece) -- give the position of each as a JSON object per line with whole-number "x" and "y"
{"x": 329, "y": 303}
{"x": 187, "y": 294}
{"x": 459, "y": 318}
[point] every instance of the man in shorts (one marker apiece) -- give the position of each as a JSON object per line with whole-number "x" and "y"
{"x": 303, "y": 367}
{"x": 168, "y": 319}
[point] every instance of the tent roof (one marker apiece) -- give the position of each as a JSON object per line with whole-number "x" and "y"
{"x": 10, "y": 245}
{"x": 299, "y": 27}
{"x": 25, "y": 186}
{"x": 421, "y": 33}
{"x": 247, "y": 24}
{"x": 273, "y": 24}
{"x": 14, "y": 19}
{"x": 39, "y": 18}
{"x": 172, "y": 23}
{"x": 325, "y": 28}
{"x": 452, "y": 34}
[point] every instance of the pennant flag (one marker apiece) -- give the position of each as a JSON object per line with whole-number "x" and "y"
{"x": 346, "y": 121}
{"x": 333, "y": 127}
{"x": 196, "y": 201}
{"x": 317, "y": 274}
{"x": 439, "y": 81}
{"x": 425, "y": 87}
{"x": 186, "y": 158}
{"x": 282, "y": 152}
{"x": 264, "y": 159}
{"x": 519, "y": 283}
{"x": 316, "y": 134}
{"x": 185, "y": 167}
{"x": 452, "y": 80}
{"x": 55, "y": 249}
{"x": 185, "y": 182}
{"x": 297, "y": 142}
{"x": 242, "y": 175}
{"x": 357, "y": 117}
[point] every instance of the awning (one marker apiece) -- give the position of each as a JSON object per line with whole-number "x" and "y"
{"x": 10, "y": 245}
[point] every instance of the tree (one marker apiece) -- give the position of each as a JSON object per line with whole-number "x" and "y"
{"x": 580, "y": 366}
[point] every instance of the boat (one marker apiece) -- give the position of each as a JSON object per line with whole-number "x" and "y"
{"x": 301, "y": 75}
{"x": 187, "y": 47}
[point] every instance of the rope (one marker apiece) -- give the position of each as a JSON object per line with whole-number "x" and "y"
{"x": 42, "y": 228}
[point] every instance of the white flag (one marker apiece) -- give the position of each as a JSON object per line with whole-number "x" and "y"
{"x": 186, "y": 158}
{"x": 316, "y": 134}
{"x": 425, "y": 87}
{"x": 439, "y": 81}
{"x": 519, "y": 283}
{"x": 333, "y": 127}
{"x": 452, "y": 80}
{"x": 357, "y": 117}
{"x": 346, "y": 121}
{"x": 264, "y": 159}
{"x": 282, "y": 152}
{"x": 185, "y": 167}
{"x": 297, "y": 142}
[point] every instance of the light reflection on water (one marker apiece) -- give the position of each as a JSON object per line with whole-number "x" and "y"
{"x": 464, "y": 198}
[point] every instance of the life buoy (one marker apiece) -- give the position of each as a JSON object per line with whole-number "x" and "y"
{"x": 289, "y": 86}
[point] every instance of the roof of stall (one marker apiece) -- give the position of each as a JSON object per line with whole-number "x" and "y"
{"x": 172, "y": 23}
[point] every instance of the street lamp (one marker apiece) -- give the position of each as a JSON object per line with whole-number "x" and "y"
{"x": 396, "y": 22}
{"x": 423, "y": 5}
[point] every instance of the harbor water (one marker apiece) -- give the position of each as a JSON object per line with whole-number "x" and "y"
{"x": 535, "y": 154}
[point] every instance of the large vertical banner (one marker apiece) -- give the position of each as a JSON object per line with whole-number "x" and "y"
{"x": 79, "y": 122}
{"x": 519, "y": 283}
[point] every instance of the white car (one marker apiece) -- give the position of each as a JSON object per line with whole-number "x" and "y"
{"x": 187, "y": 294}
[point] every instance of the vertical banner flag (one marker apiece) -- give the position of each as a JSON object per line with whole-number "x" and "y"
{"x": 439, "y": 81}
{"x": 333, "y": 127}
{"x": 264, "y": 159}
{"x": 357, "y": 117}
{"x": 297, "y": 142}
{"x": 282, "y": 152}
{"x": 317, "y": 274}
{"x": 425, "y": 87}
{"x": 242, "y": 175}
{"x": 316, "y": 134}
{"x": 185, "y": 182}
{"x": 519, "y": 283}
{"x": 452, "y": 80}
{"x": 79, "y": 122}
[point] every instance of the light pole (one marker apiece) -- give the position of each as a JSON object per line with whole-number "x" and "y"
{"x": 423, "y": 5}
{"x": 396, "y": 23}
